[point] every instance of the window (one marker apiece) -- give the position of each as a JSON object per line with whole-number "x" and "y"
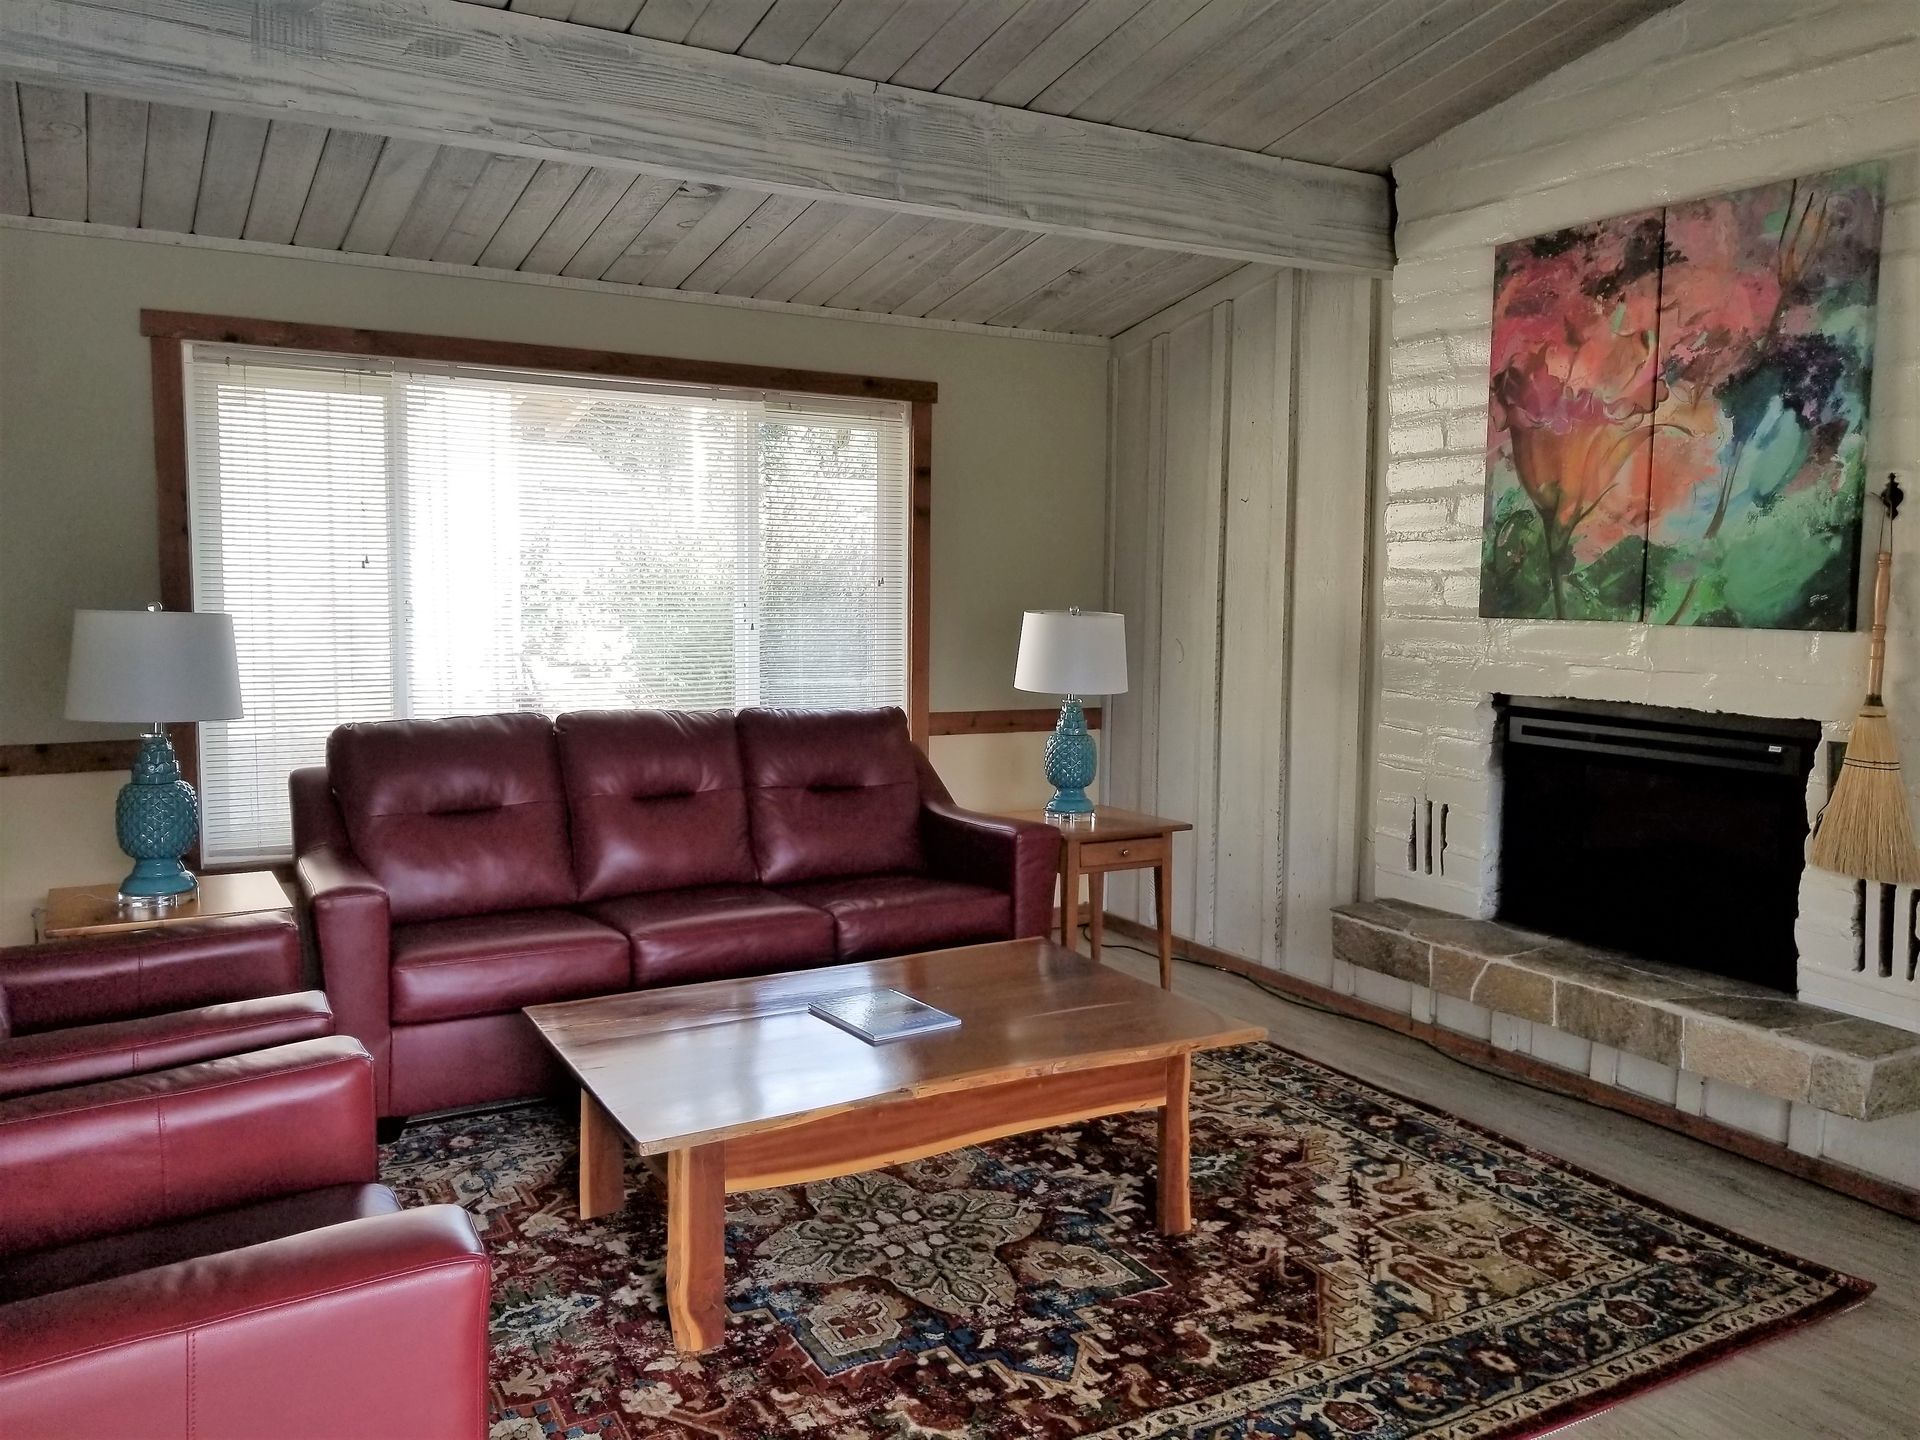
{"x": 411, "y": 538}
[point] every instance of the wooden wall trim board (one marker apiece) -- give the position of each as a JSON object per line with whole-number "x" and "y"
{"x": 471, "y": 350}
{"x": 920, "y": 571}
{"x": 518, "y": 84}
{"x": 92, "y": 230}
{"x": 1001, "y": 722}
{"x": 1883, "y": 1194}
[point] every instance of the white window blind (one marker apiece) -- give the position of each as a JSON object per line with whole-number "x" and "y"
{"x": 403, "y": 539}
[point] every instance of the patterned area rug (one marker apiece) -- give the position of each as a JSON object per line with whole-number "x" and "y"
{"x": 1360, "y": 1265}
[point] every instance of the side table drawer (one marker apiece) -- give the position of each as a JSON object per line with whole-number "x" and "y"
{"x": 1123, "y": 854}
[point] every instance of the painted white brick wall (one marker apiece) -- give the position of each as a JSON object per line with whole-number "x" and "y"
{"x": 1708, "y": 97}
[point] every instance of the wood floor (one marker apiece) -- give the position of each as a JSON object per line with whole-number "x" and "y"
{"x": 1855, "y": 1375}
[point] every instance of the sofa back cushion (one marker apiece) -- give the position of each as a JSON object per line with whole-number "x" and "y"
{"x": 456, "y": 817}
{"x": 655, "y": 800}
{"x": 830, "y": 793}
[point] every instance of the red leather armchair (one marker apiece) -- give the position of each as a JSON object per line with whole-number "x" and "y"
{"x": 76, "y": 1011}
{"x": 203, "y": 1253}
{"x": 458, "y": 870}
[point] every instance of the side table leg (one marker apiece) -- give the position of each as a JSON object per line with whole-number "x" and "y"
{"x": 1070, "y": 898}
{"x": 1096, "y": 910}
{"x": 603, "y": 1160}
{"x": 697, "y": 1247}
{"x": 1163, "y": 912}
{"x": 1176, "y": 1207}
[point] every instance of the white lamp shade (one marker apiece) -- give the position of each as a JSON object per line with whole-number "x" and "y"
{"x": 1072, "y": 652}
{"x": 152, "y": 667}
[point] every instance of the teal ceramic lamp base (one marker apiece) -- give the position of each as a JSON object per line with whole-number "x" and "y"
{"x": 1071, "y": 762}
{"x": 156, "y": 819}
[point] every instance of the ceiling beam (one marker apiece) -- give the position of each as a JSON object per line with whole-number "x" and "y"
{"x": 505, "y": 82}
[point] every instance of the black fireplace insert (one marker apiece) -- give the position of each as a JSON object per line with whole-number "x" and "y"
{"x": 1672, "y": 835}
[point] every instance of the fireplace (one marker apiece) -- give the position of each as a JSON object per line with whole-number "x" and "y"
{"x": 1671, "y": 835}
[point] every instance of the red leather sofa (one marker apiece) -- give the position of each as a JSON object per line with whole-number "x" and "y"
{"x": 202, "y": 1254}
{"x": 457, "y": 870}
{"x": 77, "y": 1011}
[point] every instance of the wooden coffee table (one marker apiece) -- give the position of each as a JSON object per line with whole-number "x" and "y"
{"x": 739, "y": 1088}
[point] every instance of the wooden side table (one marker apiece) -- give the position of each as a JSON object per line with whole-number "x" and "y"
{"x": 1096, "y": 845}
{"x": 95, "y": 909}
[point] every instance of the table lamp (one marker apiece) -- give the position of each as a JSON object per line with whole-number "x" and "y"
{"x": 1071, "y": 653}
{"x": 154, "y": 667}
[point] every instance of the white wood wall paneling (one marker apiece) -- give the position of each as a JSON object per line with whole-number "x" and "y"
{"x": 339, "y": 180}
{"x": 1254, "y": 616}
{"x": 280, "y": 190}
{"x": 449, "y": 181}
{"x": 630, "y": 214}
{"x": 725, "y": 24}
{"x": 770, "y": 220}
{"x": 1330, "y": 516}
{"x": 959, "y": 273}
{"x": 234, "y": 146}
{"x": 116, "y": 158}
{"x": 54, "y": 123}
{"x": 895, "y": 42}
{"x": 495, "y": 193}
{"x": 784, "y": 29}
{"x": 1062, "y": 50}
{"x": 590, "y": 204}
{"x": 1190, "y": 609}
{"x": 539, "y": 205}
{"x": 397, "y": 177}
{"x": 518, "y": 85}
{"x": 14, "y": 199}
{"x": 795, "y": 239}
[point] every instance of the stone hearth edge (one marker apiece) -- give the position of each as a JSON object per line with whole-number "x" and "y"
{"x": 1720, "y": 1029}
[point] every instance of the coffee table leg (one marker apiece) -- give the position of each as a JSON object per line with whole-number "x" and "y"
{"x": 1176, "y": 1209}
{"x": 697, "y": 1247}
{"x": 603, "y": 1161}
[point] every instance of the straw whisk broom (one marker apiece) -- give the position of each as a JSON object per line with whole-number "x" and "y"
{"x": 1866, "y": 830}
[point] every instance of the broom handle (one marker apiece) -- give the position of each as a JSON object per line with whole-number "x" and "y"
{"x": 1877, "y": 646}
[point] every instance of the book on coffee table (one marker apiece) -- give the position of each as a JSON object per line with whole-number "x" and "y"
{"x": 878, "y": 1016}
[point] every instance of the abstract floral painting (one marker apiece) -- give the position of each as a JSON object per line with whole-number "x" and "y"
{"x": 1677, "y": 411}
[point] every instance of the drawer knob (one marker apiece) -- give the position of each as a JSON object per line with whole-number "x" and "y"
{"x": 1124, "y": 852}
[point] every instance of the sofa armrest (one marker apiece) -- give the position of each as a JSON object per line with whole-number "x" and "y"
{"x": 1018, "y": 857}
{"x": 352, "y": 928}
{"x": 122, "y": 1154}
{"x": 375, "y": 1327}
{"x": 83, "y": 1054}
{"x": 147, "y": 972}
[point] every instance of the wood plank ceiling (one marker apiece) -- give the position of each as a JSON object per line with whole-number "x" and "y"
{"x": 1354, "y": 83}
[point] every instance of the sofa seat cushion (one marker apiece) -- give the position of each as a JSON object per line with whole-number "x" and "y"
{"x": 107, "y": 1257}
{"x": 899, "y": 914}
{"x": 716, "y": 932}
{"x": 487, "y": 964}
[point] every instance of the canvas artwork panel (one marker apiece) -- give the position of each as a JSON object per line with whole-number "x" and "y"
{"x": 1677, "y": 411}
